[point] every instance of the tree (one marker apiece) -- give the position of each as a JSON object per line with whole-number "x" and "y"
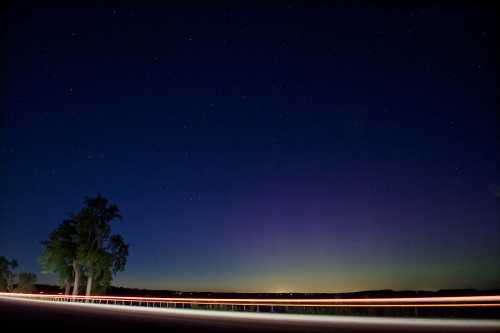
{"x": 101, "y": 253}
{"x": 108, "y": 262}
{"x": 7, "y": 274}
{"x": 26, "y": 282}
{"x": 59, "y": 255}
{"x": 83, "y": 246}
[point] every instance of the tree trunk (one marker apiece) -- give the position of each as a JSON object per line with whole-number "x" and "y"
{"x": 10, "y": 281}
{"x": 89, "y": 284}
{"x": 76, "y": 269}
{"x": 67, "y": 287}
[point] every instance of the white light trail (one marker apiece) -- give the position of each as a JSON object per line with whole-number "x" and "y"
{"x": 296, "y": 319}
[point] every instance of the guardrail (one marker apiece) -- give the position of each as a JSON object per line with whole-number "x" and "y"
{"x": 273, "y": 305}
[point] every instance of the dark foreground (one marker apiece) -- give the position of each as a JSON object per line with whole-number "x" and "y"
{"x": 40, "y": 316}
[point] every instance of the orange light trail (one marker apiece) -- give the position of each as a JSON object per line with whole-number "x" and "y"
{"x": 457, "y": 301}
{"x": 330, "y": 323}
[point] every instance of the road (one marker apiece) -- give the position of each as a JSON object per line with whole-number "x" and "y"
{"x": 35, "y": 315}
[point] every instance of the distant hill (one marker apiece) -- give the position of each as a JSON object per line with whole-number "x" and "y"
{"x": 122, "y": 291}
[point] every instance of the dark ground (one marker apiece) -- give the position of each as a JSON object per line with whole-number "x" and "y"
{"x": 27, "y": 316}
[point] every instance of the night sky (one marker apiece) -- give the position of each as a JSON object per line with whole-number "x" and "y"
{"x": 318, "y": 148}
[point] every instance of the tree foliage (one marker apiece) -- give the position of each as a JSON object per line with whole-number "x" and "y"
{"x": 83, "y": 245}
{"x": 7, "y": 274}
{"x": 101, "y": 253}
{"x": 26, "y": 282}
{"x": 59, "y": 252}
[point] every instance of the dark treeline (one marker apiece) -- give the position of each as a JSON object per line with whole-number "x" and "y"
{"x": 8, "y": 276}
{"x": 123, "y": 291}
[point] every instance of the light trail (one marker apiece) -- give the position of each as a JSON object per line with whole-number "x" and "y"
{"x": 301, "y": 320}
{"x": 457, "y": 301}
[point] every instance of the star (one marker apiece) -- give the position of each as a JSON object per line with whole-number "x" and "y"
{"x": 458, "y": 171}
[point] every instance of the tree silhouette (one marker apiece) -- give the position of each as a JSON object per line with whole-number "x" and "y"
{"x": 84, "y": 246}
{"x": 26, "y": 282}
{"x": 101, "y": 253}
{"x": 59, "y": 255}
{"x": 7, "y": 274}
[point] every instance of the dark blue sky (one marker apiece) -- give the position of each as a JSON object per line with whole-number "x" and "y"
{"x": 281, "y": 148}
